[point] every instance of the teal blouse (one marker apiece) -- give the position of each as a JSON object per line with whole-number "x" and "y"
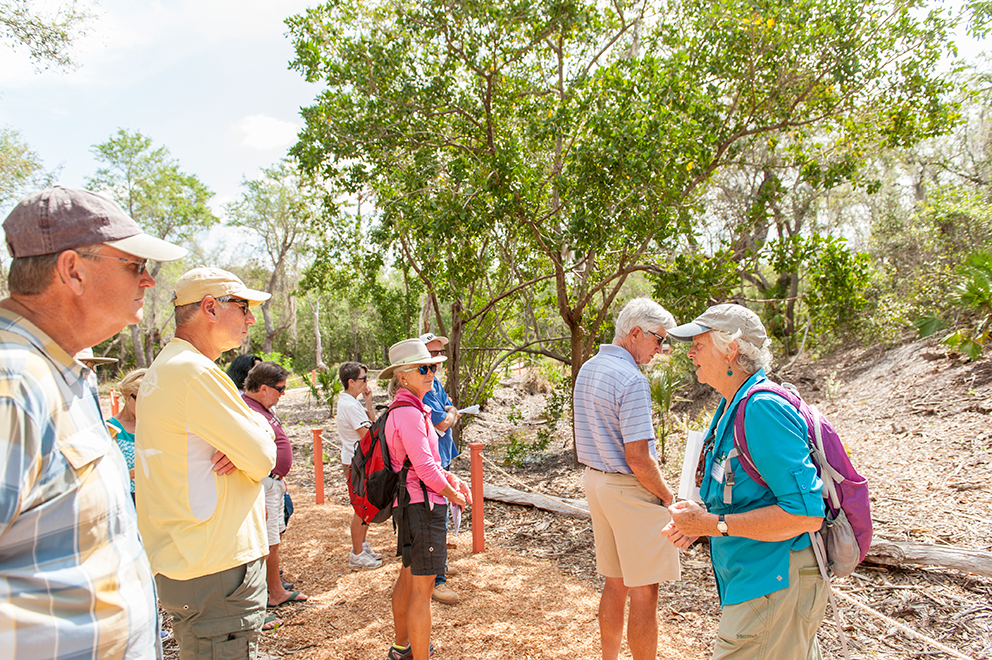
{"x": 776, "y": 438}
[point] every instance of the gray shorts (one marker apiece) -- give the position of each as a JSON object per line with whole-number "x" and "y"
{"x": 424, "y": 550}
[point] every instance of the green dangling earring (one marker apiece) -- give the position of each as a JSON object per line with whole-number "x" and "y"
{"x": 730, "y": 372}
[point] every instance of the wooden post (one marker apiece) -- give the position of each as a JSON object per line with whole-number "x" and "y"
{"x": 115, "y": 404}
{"x": 478, "y": 520}
{"x": 318, "y": 463}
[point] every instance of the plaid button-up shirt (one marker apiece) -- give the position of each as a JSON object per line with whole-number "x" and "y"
{"x": 74, "y": 578}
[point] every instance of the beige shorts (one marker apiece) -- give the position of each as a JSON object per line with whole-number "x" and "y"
{"x": 627, "y": 520}
{"x": 782, "y": 624}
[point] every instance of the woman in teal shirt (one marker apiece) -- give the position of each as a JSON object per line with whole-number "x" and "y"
{"x": 123, "y": 424}
{"x": 770, "y": 588}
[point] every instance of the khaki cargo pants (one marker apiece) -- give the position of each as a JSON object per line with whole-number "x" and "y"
{"x": 217, "y": 616}
{"x": 781, "y": 625}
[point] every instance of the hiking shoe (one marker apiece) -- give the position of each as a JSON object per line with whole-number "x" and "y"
{"x": 362, "y": 561}
{"x": 403, "y": 654}
{"x": 368, "y": 550}
{"x": 444, "y": 594}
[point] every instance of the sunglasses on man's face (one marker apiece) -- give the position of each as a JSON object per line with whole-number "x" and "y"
{"x": 278, "y": 388}
{"x": 437, "y": 353}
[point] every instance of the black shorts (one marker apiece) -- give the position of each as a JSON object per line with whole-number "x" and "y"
{"x": 424, "y": 550}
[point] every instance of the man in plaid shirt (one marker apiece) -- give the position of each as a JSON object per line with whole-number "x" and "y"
{"x": 74, "y": 578}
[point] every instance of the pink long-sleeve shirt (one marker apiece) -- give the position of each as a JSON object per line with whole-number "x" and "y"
{"x": 409, "y": 432}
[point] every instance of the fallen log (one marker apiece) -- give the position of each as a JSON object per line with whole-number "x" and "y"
{"x": 899, "y": 553}
{"x": 886, "y": 553}
{"x": 560, "y": 505}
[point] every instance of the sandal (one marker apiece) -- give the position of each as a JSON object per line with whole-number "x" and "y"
{"x": 271, "y": 622}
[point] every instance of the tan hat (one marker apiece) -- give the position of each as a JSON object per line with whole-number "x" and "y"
{"x": 729, "y": 318}
{"x": 428, "y": 337}
{"x": 57, "y": 219}
{"x": 199, "y": 283}
{"x": 86, "y": 355}
{"x": 406, "y": 353}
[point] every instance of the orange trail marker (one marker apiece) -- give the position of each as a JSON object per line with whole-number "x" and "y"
{"x": 478, "y": 520}
{"x": 318, "y": 463}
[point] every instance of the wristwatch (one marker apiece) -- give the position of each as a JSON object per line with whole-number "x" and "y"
{"x": 721, "y": 525}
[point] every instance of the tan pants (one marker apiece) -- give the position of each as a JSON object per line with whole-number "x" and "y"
{"x": 781, "y": 625}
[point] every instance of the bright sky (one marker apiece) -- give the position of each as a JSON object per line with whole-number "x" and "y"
{"x": 207, "y": 79}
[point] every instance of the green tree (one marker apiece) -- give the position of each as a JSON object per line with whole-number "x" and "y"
{"x": 572, "y": 140}
{"x": 275, "y": 209}
{"x": 167, "y": 202}
{"x": 48, "y": 37}
{"x": 21, "y": 169}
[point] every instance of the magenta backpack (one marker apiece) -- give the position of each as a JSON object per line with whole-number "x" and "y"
{"x": 847, "y": 526}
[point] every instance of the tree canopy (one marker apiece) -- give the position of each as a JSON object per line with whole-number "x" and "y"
{"x": 573, "y": 140}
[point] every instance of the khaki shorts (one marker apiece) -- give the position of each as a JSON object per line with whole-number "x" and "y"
{"x": 627, "y": 520}
{"x": 782, "y": 624}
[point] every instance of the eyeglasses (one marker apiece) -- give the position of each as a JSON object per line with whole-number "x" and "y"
{"x": 240, "y": 302}
{"x": 364, "y": 379}
{"x": 436, "y": 353}
{"x": 659, "y": 338}
{"x": 278, "y": 388}
{"x": 142, "y": 264}
{"x": 424, "y": 369}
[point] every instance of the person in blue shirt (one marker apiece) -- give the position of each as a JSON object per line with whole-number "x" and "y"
{"x": 770, "y": 588}
{"x": 444, "y": 415}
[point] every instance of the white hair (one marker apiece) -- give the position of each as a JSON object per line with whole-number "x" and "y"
{"x": 750, "y": 358}
{"x": 642, "y": 313}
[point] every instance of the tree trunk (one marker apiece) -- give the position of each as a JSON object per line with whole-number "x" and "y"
{"x": 454, "y": 364}
{"x": 139, "y": 349}
{"x": 319, "y": 348}
{"x": 269, "y": 332}
{"x": 294, "y": 330}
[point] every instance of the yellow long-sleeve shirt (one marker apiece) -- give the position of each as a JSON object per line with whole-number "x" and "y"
{"x": 194, "y": 522}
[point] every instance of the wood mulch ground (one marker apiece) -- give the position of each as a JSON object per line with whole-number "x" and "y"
{"x": 916, "y": 422}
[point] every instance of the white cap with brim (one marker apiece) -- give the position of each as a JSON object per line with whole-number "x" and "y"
{"x": 428, "y": 337}
{"x": 199, "y": 283}
{"x": 733, "y": 319}
{"x": 408, "y": 353}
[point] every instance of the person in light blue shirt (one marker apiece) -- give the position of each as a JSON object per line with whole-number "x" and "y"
{"x": 770, "y": 588}
{"x": 444, "y": 415}
{"x": 627, "y": 494}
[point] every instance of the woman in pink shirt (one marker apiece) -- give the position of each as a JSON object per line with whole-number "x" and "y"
{"x": 421, "y": 523}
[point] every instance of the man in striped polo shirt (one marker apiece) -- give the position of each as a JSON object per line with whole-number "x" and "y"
{"x": 74, "y": 579}
{"x": 627, "y": 494}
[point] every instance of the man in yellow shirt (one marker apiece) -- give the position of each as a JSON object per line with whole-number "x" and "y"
{"x": 201, "y": 456}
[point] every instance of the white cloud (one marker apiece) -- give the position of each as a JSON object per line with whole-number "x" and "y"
{"x": 264, "y": 133}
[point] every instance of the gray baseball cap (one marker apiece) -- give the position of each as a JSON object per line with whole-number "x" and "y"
{"x": 729, "y": 318}
{"x": 57, "y": 219}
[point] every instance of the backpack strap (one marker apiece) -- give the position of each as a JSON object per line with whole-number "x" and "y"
{"x": 820, "y": 550}
{"x": 788, "y": 392}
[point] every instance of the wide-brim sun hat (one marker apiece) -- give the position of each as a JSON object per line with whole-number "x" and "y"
{"x": 199, "y": 283}
{"x": 729, "y": 318}
{"x": 87, "y": 355}
{"x": 408, "y": 353}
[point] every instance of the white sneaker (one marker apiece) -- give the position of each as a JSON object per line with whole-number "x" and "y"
{"x": 362, "y": 561}
{"x": 369, "y": 551}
